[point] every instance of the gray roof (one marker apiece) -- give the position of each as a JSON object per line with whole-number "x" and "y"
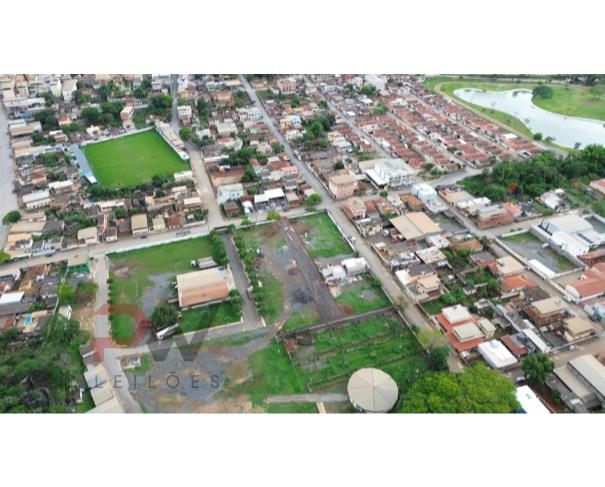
{"x": 372, "y": 390}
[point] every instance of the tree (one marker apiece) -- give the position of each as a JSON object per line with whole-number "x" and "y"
{"x": 368, "y": 90}
{"x": 542, "y": 91}
{"x": 91, "y": 115}
{"x": 537, "y": 368}
{"x": 313, "y": 200}
{"x": 437, "y": 359}
{"x": 236, "y": 301}
{"x": 476, "y": 390}
{"x": 186, "y": 133}
{"x": 4, "y": 257}
{"x": 273, "y": 215}
{"x": 246, "y": 221}
{"x": 538, "y": 136}
{"x": 85, "y": 292}
{"x": 66, "y": 294}
{"x": 163, "y": 316}
{"x": 249, "y": 175}
{"x": 11, "y": 217}
{"x": 277, "y": 148}
{"x": 339, "y": 165}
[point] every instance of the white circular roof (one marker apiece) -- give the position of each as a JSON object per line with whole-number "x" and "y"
{"x": 372, "y": 390}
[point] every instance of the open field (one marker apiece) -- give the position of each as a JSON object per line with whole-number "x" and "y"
{"x": 143, "y": 277}
{"x": 133, "y": 159}
{"x": 360, "y": 297}
{"x": 321, "y": 236}
{"x": 291, "y": 283}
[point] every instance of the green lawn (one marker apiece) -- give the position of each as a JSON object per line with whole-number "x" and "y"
{"x": 208, "y": 316}
{"x": 356, "y": 298}
{"x": 324, "y": 239}
{"x": 172, "y": 258}
{"x": 301, "y": 319}
{"x": 292, "y": 408}
{"x": 132, "y": 160}
{"x": 122, "y": 328}
{"x": 272, "y": 374}
{"x": 575, "y": 101}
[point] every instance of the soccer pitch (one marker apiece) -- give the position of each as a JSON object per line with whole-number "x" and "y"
{"x": 133, "y": 159}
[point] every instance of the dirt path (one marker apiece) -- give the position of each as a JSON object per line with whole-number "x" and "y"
{"x": 327, "y": 307}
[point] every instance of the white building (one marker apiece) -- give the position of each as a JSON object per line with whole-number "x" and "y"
{"x": 530, "y": 403}
{"x": 70, "y": 86}
{"x": 229, "y": 192}
{"x": 424, "y": 192}
{"x": 388, "y": 172}
{"x": 37, "y": 199}
{"x": 496, "y": 354}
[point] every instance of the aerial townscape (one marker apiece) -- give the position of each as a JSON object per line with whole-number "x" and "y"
{"x": 301, "y": 243}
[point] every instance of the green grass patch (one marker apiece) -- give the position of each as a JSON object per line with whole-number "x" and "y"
{"x": 144, "y": 367}
{"x": 274, "y": 298}
{"x": 133, "y": 159}
{"x": 174, "y": 258}
{"x": 122, "y": 328}
{"x": 272, "y": 373}
{"x": 292, "y": 408}
{"x": 324, "y": 239}
{"x": 302, "y": 319}
{"x": 208, "y": 316}
{"x": 358, "y": 300}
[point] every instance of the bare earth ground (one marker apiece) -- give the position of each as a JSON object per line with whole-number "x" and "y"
{"x": 173, "y": 385}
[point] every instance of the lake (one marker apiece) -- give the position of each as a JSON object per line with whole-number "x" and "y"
{"x": 566, "y": 131}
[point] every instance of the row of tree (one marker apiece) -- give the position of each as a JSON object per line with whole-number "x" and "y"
{"x": 534, "y": 176}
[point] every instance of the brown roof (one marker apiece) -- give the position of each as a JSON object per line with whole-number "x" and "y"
{"x": 204, "y": 295}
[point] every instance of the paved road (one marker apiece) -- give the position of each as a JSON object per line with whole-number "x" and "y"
{"x": 252, "y": 319}
{"x": 8, "y": 199}
{"x": 204, "y": 188}
{"x": 110, "y": 359}
{"x": 411, "y": 312}
{"x": 174, "y": 93}
{"x": 325, "y": 397}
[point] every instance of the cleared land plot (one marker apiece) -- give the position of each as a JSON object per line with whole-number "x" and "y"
{"x": 133, "y": 159}
{"x": 361, "y": 296}
{"x": 321, "y": 236}
{"x": 143, "y": 277}
{"x": 290, "y": 280}
{"x": 531, "y": 247}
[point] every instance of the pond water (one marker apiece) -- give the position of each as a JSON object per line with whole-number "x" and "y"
{"x": 566, "y": 131}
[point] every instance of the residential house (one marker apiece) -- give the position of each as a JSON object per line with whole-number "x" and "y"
{"x": 546, "y": 311}
{"x": 355, "y": 208}
{"x": 229, "y": 192}
{"x": 139, "y": 225}
{"x": 88, "y": 236}
{"x": 415, "y": 226}
{"x": 590, "y": 285}
{"x": 342, "y": 185}
{"x": 576, "y": 328}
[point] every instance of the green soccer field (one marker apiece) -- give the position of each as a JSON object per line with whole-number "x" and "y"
{"x": 133, "y": 159}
